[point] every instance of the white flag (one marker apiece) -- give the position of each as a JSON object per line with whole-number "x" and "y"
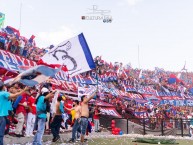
{"x": 74, "y": 53}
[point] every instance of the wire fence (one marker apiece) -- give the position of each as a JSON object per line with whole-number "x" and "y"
{"x": 156, "y": 126}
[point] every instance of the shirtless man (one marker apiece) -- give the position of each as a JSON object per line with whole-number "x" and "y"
{"x": 85, "y": 114}
{"x": 76, "y": 126}
{"x": 57, "y": 120}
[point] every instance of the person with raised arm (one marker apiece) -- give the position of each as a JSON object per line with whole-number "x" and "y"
{"x": 5, "y": 98}
{"x": 85, "y": 114}
{"x": 41, "y": 111}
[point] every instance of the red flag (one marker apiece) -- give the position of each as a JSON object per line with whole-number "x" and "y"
{"x": 31, "y": 38}
{"x": 64, "y": 68}
{"x": 111, "y": 65}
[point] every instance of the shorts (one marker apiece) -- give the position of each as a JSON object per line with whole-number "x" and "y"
{"x": 84, "y": 124}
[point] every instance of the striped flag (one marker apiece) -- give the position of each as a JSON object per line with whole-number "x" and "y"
{"x": 35, "y": 75}
{"x": 74, "y": 53}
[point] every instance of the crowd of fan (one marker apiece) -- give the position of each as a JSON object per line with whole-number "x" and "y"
{"x": 114, "y": 75}
{"x": 21, "y": 46}
{"x": 21, "y": 107}
{"x": 136, "y": 78}
{"x": 123, "y": 77}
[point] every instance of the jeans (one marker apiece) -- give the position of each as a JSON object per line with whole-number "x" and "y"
{"x": 76, "y": 127}
{"x": 96, "y": 124}
{"x": 84, "y": 125}
{"x": 41, "y": 127}
{"x": 30, "y": 123}
{"x": 13, "y": 48}
{"x": 69, "y": 119}
{"x": 25, "y": 53}
{"x": 2, "y": 128}
{"x": 55, "y": 125}
{"x": 21, "y": 51}
{"x": 191, "y": 132}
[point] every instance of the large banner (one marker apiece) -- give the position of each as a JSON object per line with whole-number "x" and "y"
{"x": 100, "y": 103}
{"x": 88, "y": 91}
{"x": 13, "y": 62}
{"x": 110, "y": 112}
{"x": 141, "y": 114}
{"x": 174, "y": 102}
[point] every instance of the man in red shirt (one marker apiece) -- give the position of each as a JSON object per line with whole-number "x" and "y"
{"x": 68, "y": 104}
{"x": 21, "y": 113}
{"x": 96, "y": 118}
{"x": 31, "y": 115}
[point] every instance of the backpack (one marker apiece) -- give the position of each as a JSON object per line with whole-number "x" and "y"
{"x": 47, "y": 106}
{"x": 16, "y": 103}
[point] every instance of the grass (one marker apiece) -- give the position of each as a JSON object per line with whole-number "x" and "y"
{"x": 128, "y": 141}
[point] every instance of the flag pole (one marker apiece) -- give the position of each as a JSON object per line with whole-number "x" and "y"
{"x": 97, "y": 79}
{"x": 20, "y": 16}
{"x": 138, "y": 58}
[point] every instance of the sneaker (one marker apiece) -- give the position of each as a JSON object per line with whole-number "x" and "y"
{"x": 32, "y": 135}
{"x": 19, "y": 135}
{"x": 71, "y": 141}
{"x": 56, "y": 139}
{"x": 27, "y": 135}
{"x": 53, "y": 139}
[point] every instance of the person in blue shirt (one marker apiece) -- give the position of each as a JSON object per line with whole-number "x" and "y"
{"x": 5, "y": 98}
{"x": 41, "y": 104}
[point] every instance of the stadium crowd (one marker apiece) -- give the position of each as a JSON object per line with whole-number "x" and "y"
{"x": 10, "y": 40}
{"x": 25, "y": 105}
{"x": 29, "y": 111}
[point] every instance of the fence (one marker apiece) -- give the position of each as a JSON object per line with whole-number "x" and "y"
{"x": 156, "y": 126}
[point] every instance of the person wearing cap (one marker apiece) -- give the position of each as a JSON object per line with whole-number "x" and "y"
{"x": 5, "y": 98}
{"x": 41, "y": 114}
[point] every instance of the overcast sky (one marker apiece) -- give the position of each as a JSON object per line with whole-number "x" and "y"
{"x": 162, "y": 29}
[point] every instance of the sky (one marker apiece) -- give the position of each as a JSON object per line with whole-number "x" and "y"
{"x": 144, "y": 33}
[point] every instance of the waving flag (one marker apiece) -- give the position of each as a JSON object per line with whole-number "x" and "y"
{"x": 74, "y": 53}
{"x": 31, "y": 39}
{"x": 2, "y": 18}
{"x": 2, "y": 40}
{"x": 12, "y": 30}
{"x": 85, "y": 91}
{"x": 35, "y": 75}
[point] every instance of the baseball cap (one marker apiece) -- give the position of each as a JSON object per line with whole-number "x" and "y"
{"x": 1, "y": 84}
{"x": 44, "y": 90}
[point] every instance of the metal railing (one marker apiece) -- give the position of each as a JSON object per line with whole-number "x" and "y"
{"x": 156, "y": 126}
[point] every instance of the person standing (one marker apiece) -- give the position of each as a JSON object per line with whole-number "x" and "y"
{"x": 41, "y": 114}
{"x": 76, "y": 126}
{"x": 85, "y": 114}
{"x": 96, "y": 118}
{"x": 31, "y": 117}
{"x": 21, "y": 112}
{"x": 191, "y": 126}
{"x": 5, "y": 106}
{"x": 57, "y": 120}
